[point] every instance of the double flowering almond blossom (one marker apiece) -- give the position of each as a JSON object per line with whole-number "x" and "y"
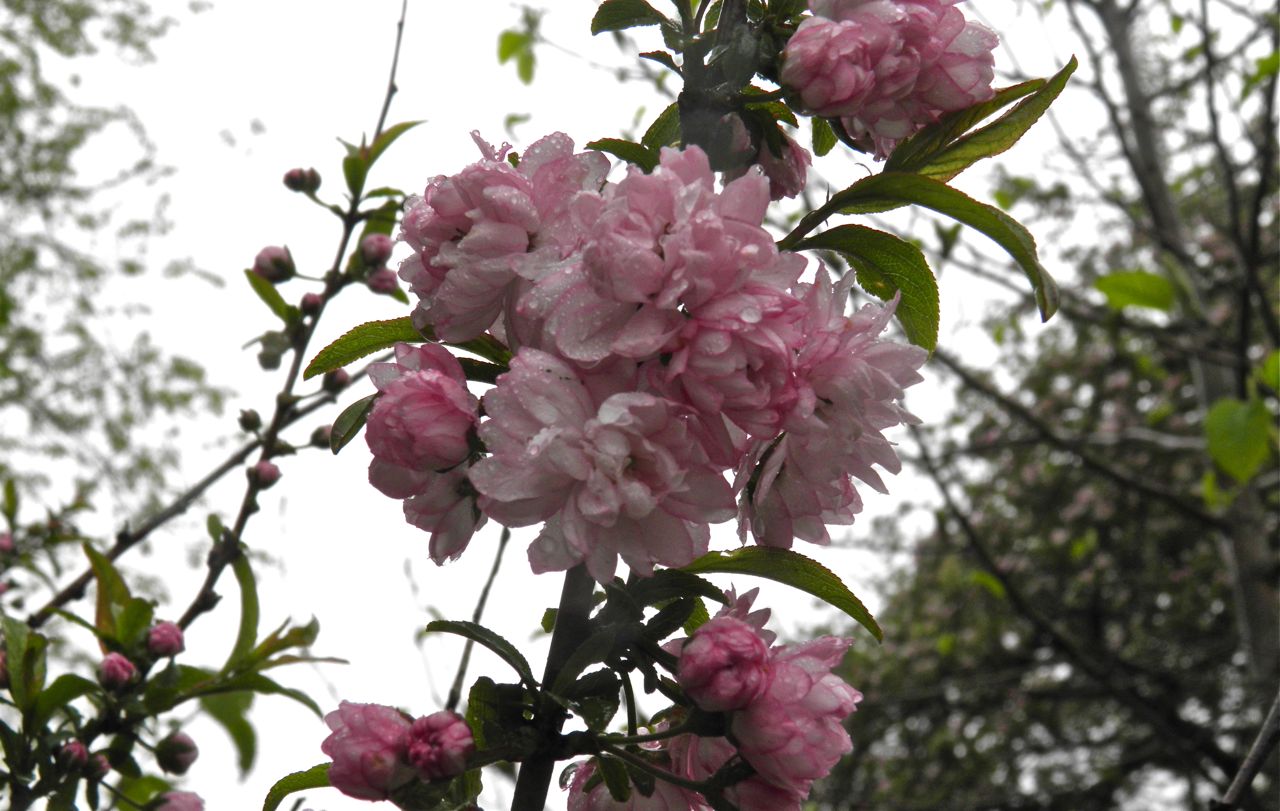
{"x": 376, "y": 749}
{"x": 662, "y": 344}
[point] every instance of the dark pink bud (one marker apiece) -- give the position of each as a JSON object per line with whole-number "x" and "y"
{"x": 176, "y": 752}
{"x": 165, "y": 639}
{"x": 320, "y": 436}
{"x": 302, "y": 180}
{"x": 73, "y": 755}
{"x": 99, "y": 767}
{"x": 181, "y": 801}
{"x": 115, "y": 672}
{"x": 336, "y": 381}
{"x": 4, "y": 671}
{"x": 250, "y": 420}
{"x": 375, "y": 249}
{"x": 310, "y": 304}
{"x": 439, "y": 745}
{"x": 383, "y": 281}
{"x": 6, "y": 543}
{"x": 264, "y": 474}
{"x": 275, "y": 264}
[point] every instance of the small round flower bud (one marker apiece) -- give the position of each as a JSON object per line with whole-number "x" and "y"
{"x": 302, "y": 180}
{"x": 275, "y": 264}
{"x": 336, "y": 381}
{"x": 115, "y": 672}
{"x": 250, "y": 421}
{"x": 439, "y": 745}
{"x": 310, "y": 304}
{"x": 6, "y": 543}
{"x": 99, "y": 767}
{"x": 383, "y": 281}
{"x": 375, "y": 250}
{"x": 73, "y": 755}
{"x": 176, "y": 752}
{"x": 181, "y": 801}
{"x": 264, "y": 474}
{"x": 165, "y": 639}
{"x": 320, "y": 436}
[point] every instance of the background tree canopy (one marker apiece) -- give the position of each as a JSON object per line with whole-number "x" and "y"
{"x": 1091, "y": 620}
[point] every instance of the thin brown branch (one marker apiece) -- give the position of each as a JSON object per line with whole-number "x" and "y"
{"x": 455, "y": 691}
{"x": 1267, "y": 738}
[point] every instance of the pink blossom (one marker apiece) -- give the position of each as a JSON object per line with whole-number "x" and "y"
{"x": 831, "y": 64}
{"x": 425, "y": 413}
{"x": 623, "y": 479}
{"x": 176, "y": 752}
{"x": 383, "y": 281}
{"x": 439, "y": 745}
{"x": 99, "y": 767}
{"x": 787, "y": 169}
{"x": 115, "y": 671}
{"x": 165, "y": 639}
{"x": 181, "y": 801}
{"x": 697, "y": 758}
{"x": 443, "y": 504}
{"x": 474, "y": 233}
{"x": 666, "y": 796}
{"x": 723, "y": 665}
{"x": 792, "y": 734}
{"x": 369, "y": 746}
{"x": 74, "y": 755}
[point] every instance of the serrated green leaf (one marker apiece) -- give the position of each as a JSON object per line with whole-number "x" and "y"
{"x": 360, "y": 341}
{"x": 698, "y": 618}
{"x": 596, "y": 697}
{"x": 670, "y": 618}
{"x": 388, "y": 137}
{"x": 490, "y": 639}
{"x": 596, "y": 648}
{"x": 615, "y": 777}
{"x": 672, "y": 584}
{"x": 824, "y": 138}
{"x": 619, "y": 15}
{"x": 934, "y": 157}
{"x": 348, "y": 424}
{"x": 629, "y": 151}
{"x": 61, "y": 692}
{"x": 247, "y": 635}
{"x": 315, "y": 777}
{"x": 231, "y": 710}
{"x": 1137, "y": 288}
{"x": 271, "y": 297}
{"x": 1238, "y": 436}
{"x": 792, "y": 569}
{"x": 112, "y": 591}
{"x": 665, "y": 129}
{"x": 916, "y": 150}
{"x": 890, "y": 190}
{"x": 886, "y": 266}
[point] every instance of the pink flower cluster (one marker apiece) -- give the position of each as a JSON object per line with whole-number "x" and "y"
{"x": 886, "y": 68}
{"x": 661, "y": 342}
{"x": 376, "y": 749}
{"x": 786, "y": 715}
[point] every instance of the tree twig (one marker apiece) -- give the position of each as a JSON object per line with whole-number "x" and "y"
{"x": 455, "y": 691}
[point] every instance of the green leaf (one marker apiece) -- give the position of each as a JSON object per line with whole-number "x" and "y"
{"x": 697, "y": 619}
{"x": 355, "y": 169}
{"x": 315, "y": 777}
{"x": 10, "y": 505}
{"x": 671, "y": 618}
{"x": 1268, "y": 372}
{"x": 989, "y": 582}
{"x": 491, "y": 640}
{"x": 1238, "y": 434}
{"x": 511, "y": 43}
{"x": 387, "y": 137}
{"x": 890, "y": 190}
{"x": 549, "y": 620}
{"x": 619, "y": 15}
{"x": 525, "y": 64}
{"x": 886, "y": 266}
{"x": 348, "y": 424}
{"x": 284, "y": 638}
{"x": 629, "y": 151}
{"x": 824, "y": 138}
{"x": 936, "y": 158}
{"x": 360, "y": 341}
{"x": 615, "y": 777}
{"x": 792, "y": 569}
{"x": 17, "y": 640}
{"x": 272, "y": 298}
{"x": 672, "y": 584}
{"x": 1137, "y": 288}
{"x": 596, "y": 648}
{"x": 140, "y": 790}
{"x": 230, "y": 710}
{"x": 64, "y": 689}
{"x": 596, "y": 697}
{"x": 213, "y": 525}
{"x": 665, "y": 129}
{"x": 112, "y": 591}
{"x": 247, "y": 635}
{"x": 132, "y": 621}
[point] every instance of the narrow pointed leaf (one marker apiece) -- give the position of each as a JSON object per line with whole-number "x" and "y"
{"x": 112, "y": 591}
{"x": 348, "y": 424}
{"x": 61, "y": 692}
{"x": 665, "y": 130}
{"x": 387, "y": 138}
{"x": 247, "y": 635}
{"x": 271, "y": 297}
{"x": 792, "y": 569}
{"x": 619, "y": 15}
{"x": 360, "y": 341}
{"x": 491, "y": 640}
{"x": 315, "y": 777}
{"x": 629, "y": 151}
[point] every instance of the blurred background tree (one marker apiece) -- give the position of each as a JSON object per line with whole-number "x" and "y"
{"x": 79, "y": 408}
{"x": 1089, "y": 619}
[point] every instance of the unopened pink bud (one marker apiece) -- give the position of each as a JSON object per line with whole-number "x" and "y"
{"x": 275, "y": 264}
{"x": 99, "y": 767}
{"x": 73, "y": 755}
{"x": 181, "y": 801}
{"x": 383, "y": 281}
{"x": 176, "y": 752}
{"x": 165, "y": 639}
{"x": 320, "y": 436}
{"x": 264, "y": 474}
{"x": 310, "y": 304}
{"x": 375, "y": 249}
{"x": 115, "y": 672}
{"x": 439, "y": 745}
{"x": 302, "y": 180}
{"x": 336, "y": 381}
{"x": 723, "y": 665}
{"x": 6, "y": 543}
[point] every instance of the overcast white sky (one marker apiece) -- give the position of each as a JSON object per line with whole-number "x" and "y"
{"x": 243, "y": 92}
